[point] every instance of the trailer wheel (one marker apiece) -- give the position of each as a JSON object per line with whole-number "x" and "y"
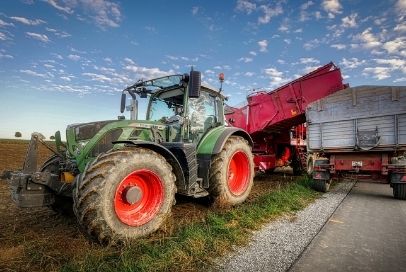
{"x": 63, "y": 204}
{"x": 321, "y": 185}
{"x": 399, "y": 190}
{"x": 123, "y": 195}
{"x": 232, "y": 173}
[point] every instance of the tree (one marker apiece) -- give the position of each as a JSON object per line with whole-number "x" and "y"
{"x": 52, "y": 137}
{"x": 18, "y": 134}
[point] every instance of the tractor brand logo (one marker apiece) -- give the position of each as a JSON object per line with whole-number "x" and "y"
{"x": 293, "y": 112}
{"x": 147, "y": 126}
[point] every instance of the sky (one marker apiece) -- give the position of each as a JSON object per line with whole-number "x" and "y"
{"x": 66, "y": 61}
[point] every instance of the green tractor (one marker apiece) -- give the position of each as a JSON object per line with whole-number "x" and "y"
{"x": 121, "y": 175}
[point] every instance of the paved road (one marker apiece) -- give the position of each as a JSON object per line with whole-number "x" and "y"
{"x": 366, "y": 233}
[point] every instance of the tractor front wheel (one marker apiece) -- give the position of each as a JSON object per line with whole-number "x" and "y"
{"x": 124, "y": 195}
{"x": 232, "y": 173}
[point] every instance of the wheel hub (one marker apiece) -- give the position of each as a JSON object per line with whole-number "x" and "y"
{"x": 133, "y": 195}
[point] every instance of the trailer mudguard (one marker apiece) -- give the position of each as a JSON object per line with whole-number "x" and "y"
{"x": 211, "y": 144}
{"x": 166, "y": 153}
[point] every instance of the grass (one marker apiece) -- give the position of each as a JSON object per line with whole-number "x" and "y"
{"x": 195, "y": 246}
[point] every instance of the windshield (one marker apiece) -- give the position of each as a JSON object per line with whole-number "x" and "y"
{"x": 166, "y": 105}
{"x": 167, "y": 82}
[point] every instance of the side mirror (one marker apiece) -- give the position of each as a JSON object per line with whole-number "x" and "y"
{"x": 122, "y": 107}
{"x": 195, "y": 79}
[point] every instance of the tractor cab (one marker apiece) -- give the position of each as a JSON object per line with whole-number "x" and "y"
{"x": 187, "y": 108}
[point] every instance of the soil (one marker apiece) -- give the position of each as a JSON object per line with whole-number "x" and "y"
{"x": 39, "y": 239}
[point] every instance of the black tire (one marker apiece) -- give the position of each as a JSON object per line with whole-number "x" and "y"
{"x": 97, "y": 192}
{"x": 321, "y": 185}
{"x": 63, "y": 204}
{"x": 228, "y": 188}
{"x": 399, "y": 190}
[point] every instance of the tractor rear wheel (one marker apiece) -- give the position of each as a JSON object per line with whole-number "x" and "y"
{"x": 63, "y": 204}
{"x": 124, "y": 194}
{"x": 232, "y": 173}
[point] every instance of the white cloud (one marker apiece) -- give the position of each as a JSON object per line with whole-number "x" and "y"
{"x": 309, "y": 69}
{"x": 351, "y": 63}
{"x": 249, "y": 74}
{"x": 284, "y": 27}
{"x": 3, "y": 36}
{"x": 368, "y": 39}
{"x": 394, "y": 64}
{"x": 41, "y": 37}
{"x": 245, "y": 6}
{"x": 311, "y": 44}
{"x": 378, "y": 72}
{"x": 3, "y": 24}
{"x": 308, "y": 60}
{"x": 58, "y": 33}
{"x": 97, "y": 77}
{"x": 338, "y": 46}
{"x": 401, "y": 7}
{"x": 280, "y": 61}
{"x": 253, "y": 53}
{"x": 263, "y": 45}
{"x": 33, "y": 73}
{"x": 401, "y": 79}
{"x": 304, "y": 15}
{"x": 67, "y": 8}
{"x": 396, "y": 46}
{"x": 74, "y": 57}
{"x": 273, "y": 72}
{"x": 146, "y": 73}
{"x": 195, "y": 10}
{"x": 332, "y": 7}
{"x": 269, "y": 13}
{"x": 103, "y": 12}
{"x": 401, "y": 27}
{"x": 276, "y": 77}
{"x": 245, "y": 60}
{"x": 27, "y": 21}
{"x": 349, "y": 21}
{"x": 5, "y": 56}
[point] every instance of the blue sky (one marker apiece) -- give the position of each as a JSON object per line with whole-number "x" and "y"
{"x": 66, "y": 61}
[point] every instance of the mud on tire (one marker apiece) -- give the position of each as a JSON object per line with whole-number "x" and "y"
{"x": 231, "y": 173}
{"x": 101, "y": 204}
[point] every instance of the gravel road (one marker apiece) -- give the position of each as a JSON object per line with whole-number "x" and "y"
{"x": 277, "y": 245}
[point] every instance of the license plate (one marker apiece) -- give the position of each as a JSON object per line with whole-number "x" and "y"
{"x": 356, "y": 163}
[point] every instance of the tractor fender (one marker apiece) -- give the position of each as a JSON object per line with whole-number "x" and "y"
{"x": 212, "y": 144}
{"x": 214, "y": 141}
{"x": 166, "y": 153}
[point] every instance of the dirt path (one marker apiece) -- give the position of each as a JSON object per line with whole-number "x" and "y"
{"x": 42, "y": 240}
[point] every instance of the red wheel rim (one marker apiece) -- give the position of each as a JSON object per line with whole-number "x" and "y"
{"x": 138, "y": 197}
{"x": 238, "y": 173}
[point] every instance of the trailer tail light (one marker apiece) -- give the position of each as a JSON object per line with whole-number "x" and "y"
{"x": 403, "y": 178}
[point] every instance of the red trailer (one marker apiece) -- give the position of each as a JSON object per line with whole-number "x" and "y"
{"x": 270, "y": 116}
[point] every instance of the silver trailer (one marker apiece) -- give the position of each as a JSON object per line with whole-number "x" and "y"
{"x": 360, "y": 130}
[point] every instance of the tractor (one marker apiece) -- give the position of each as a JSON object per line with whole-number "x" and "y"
{"x": 121, "y": 176}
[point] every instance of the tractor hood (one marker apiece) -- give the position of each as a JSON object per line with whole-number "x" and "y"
{"x": 86, "y": 131}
